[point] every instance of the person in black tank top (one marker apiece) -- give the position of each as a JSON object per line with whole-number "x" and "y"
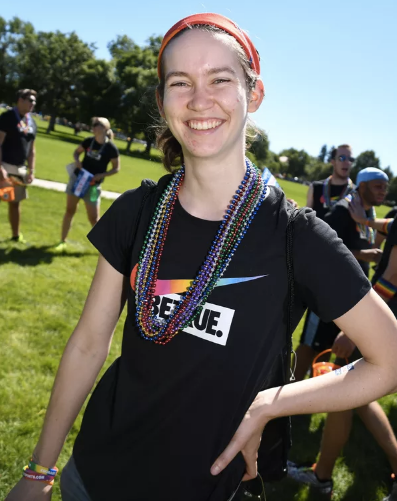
{"x": 354, "y": 220}
{"x": 323, "y": 195}
{"x": 317, "y": 335}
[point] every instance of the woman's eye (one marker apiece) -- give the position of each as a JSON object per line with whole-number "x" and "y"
{"x": 178, "y": 84}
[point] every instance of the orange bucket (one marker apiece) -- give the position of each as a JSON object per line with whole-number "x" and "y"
{"x": 7, "y": 194}
{"x": 321, "y": 368}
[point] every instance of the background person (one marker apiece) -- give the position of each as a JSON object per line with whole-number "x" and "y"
{"x": 321, "y": 197}
{"x": 354, "y": 222}
{"x": 99, "y": 151}
{"x": 317, "y": 335}
{"x": 17, "y": 146}
{"x": 201, "y": 274}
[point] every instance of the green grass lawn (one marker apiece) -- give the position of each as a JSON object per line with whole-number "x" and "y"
{"x": 42, "y": 296}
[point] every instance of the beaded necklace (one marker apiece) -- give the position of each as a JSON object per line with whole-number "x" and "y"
{"x": 233, "y": 227}
{"x": 329, "y": 202}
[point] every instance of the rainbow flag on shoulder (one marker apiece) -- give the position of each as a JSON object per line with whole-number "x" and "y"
{"x": 269, "y": 179}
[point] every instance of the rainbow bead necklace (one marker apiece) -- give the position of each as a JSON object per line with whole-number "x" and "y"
{"x": 233, "y": 227}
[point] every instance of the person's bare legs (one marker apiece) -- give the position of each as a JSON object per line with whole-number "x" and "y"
{"x": 71, "y": 207}
{"x": 93, "y": 212}
{"x": 14, "y": 216}
{"x": 377, "y": 423}
{"x": 335, "y": 435}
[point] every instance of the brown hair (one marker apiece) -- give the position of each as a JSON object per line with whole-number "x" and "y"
{"x": 333, "y": 153}
{"x": 25, "y": 93}
{"x": 166, "y": 142}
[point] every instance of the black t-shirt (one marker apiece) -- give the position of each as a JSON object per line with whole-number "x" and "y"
{"x": 391, "y": 241}
{"x": 161, "y": 415}
{"x": 392, "y": 213}
{"x": 348, "y": 230}
{"x": 336, "y": 190}
{"x": 19, "y": 139}
{"x": 97, "y": 156}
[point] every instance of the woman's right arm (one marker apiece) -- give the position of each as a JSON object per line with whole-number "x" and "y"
{"x": 76, "y": 155}
{"x": 83, "y": 358}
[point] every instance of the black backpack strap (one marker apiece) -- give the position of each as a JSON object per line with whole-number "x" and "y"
{"x": 148, "y": 186}
{"x": 291, "y": 284}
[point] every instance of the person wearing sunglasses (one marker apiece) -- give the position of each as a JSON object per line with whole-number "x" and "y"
{"x": 354, "y": 220}
{"x": 18, "y": 154}
{"x": 99, "y": 151}
{"x": 317, "y": 335}
{"x": 201, "y": 257}
{"x": 323, "y": 195}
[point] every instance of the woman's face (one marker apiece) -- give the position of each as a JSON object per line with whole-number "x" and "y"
{"x": 205, "y": 95}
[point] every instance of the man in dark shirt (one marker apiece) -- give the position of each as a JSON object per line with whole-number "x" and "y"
{"x": 321, "y": 197}
{"x": 17, "y": 136}
{"x": 358, "y": 236}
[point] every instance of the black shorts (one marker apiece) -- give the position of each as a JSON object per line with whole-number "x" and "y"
{"x": 317, "y": 334}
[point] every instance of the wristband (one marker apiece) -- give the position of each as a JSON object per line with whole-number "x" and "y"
{"x": 42, "y": 469}
{"x": 37, "y": 477}
{"x": 386, "y": 226}
{"x": 384, "y": 288}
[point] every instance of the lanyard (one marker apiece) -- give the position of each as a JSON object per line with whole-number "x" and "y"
{"x": 327, "y": 200}
{"x": 26, "y": 128}
{"x": 99, "y": 152}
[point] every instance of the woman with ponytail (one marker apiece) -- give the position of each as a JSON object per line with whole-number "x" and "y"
{"x": 99, "y": 151}
{"x": 203, "y": 260}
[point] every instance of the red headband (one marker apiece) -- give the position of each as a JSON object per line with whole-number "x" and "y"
{"x": 220, "y": 22}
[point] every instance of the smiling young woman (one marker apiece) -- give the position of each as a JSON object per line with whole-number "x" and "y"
{"x": 201, "y": 260}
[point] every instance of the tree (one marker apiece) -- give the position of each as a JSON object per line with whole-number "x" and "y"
{"x": 329, "y": 154}
{"x": 316, "y": 169}
{"x": 136, "y": 71}
{"x": 297, "y": 161}
{"x": 260, "y": 148}
{"x": 10, "y": 34}
{"x": 389, "y": 172}
{"x": 100, "y": 93}
{"x": 54, "y": 64}
{"x": 366, "y": 159}
{"x": 323, "y": 153}
{"x": 392, "y": 191}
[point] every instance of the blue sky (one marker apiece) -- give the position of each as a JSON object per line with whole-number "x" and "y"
{"x": 329, "y": 67}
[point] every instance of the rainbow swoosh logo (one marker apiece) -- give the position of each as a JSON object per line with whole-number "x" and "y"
{"x": 164, "y": 287}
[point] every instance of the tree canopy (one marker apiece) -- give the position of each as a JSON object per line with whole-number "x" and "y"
{"x": 72, "y": 83}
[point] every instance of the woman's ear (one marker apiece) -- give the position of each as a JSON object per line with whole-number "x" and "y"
{"x": 256, "y": 97}
{"x": 160, "y": 104}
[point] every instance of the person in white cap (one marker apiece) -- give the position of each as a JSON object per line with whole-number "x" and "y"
{"x": 354, "y": 220}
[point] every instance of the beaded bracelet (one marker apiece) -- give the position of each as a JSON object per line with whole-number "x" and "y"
{"x": 38, "y": 477}
{"x": 42, "y": 469}
{"x": 384, "y": 288}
